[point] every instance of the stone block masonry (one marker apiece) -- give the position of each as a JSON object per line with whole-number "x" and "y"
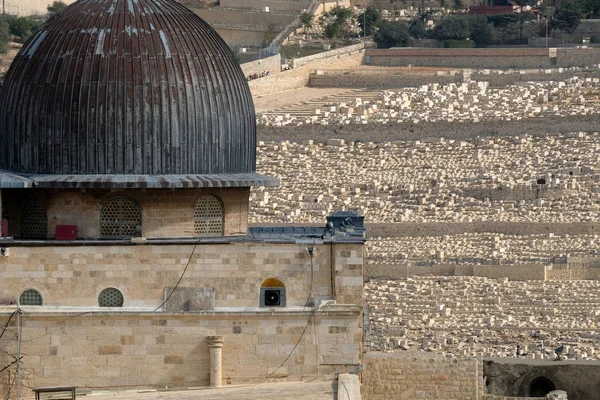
{"x": 138, "y": 350}
{"x": 411, "y": 376}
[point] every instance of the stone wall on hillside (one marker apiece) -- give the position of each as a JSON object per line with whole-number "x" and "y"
{"x": 390, "y": 78}
{"x": 298, "y": 77}
{"x": 410, "y": 375}
{"x": 409, "y": 131}
{"x": 485, "y": 58}
{"x": 271, "y": 64}
{"x": 499, "y": 227}
{"x": 24, "y": 8}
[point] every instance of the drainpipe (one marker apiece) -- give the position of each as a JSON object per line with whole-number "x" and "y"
{"x": 215, "y": 347}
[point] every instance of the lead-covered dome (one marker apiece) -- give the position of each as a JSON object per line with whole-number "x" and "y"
{"x": 141, "y": 87}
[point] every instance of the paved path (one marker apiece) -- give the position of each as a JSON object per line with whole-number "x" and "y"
{"x": 319, "y": 390}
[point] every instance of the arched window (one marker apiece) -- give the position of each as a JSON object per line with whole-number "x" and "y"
{"x": 272, "y": 293}
{"x": 111, "y": 297}
{"x": 34, "y": 221}
{"x": 208, "y": 216}
{"x": 121, "y": 218}
{"x": 30, "y": 297}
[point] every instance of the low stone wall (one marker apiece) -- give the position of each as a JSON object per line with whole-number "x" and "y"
{"x": 514, "y": 272}
{"x": 452, "y": 228}
{"x": 387, "y": 77}
{"x": 23, "y": 8}
{"x": 271, "y": 64}
{"x": 299, "y": 77}
{"x": 485, "y": 58}
{"x": 274, "y": 5}
{"x": 427, "y": 130}
{"x": 464, "y": 58}
{"x": 298, "y": 62}
{"x": 411, "y": 375}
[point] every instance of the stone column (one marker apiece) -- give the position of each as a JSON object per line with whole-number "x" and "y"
{"x": 215, "y": 346}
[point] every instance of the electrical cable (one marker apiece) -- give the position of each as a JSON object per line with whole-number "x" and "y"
{"x": 311, "y": 316}
{"x": 179, "y": 281}
{"x": 8, "y": 322}
{"x": 10, "y": 385}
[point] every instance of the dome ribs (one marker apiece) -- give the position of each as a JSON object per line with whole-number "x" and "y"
{"x": 126, "y": 87}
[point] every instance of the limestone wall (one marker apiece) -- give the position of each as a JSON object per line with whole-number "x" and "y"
{"x": 165, "y": 213}
{"x": 299, "y": 77}
{"x": 298, "y": 62}
{"x": 514, "y": 272}
{"x": 508, "y": 228}
{"x": 410, "y": 375}
{"x": 271, "y": 64}
{"x": 485, "y": 58}
{"x": 410, "y": 131}
{"x": 389, "y": 78}
{"x": 24, "y": 8}
{"x": 146, "y": 350}
{"x": 274, "y": 5}
{"x": 464, "y": 58}
{"x": 75, "y": 275}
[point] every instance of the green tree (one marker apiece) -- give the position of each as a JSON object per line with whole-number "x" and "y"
{"x": 23, "y": 27}
{"x": 455, "y": 27}
{"x": 392, "y": 34}
{"x": 567, "y": 17}
{"x": 458, "y": 4}
{"x": 506, "y": 24}
{"x": 372, "y": 18}
{"x": 333, "y": 30}
{"x": 481, "y": 31}
{"x": 55, "y": 7}
{"x": 589, "y": 8}
{"x": 306, "y": 20}
{"x": 4, "y": 36}
{"x": 418, "y": 29}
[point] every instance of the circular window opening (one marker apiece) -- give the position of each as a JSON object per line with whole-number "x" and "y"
{"x": 540, "y": 387}
{"x": 30, "y": 297}
{"x": 111, "y": 297}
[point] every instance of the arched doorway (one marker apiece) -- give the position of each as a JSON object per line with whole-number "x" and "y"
{"x": 540, "y": 387}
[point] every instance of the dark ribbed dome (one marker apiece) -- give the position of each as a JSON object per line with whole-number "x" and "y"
{"x": 126, "y": 87}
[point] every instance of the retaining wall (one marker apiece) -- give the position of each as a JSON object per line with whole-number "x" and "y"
{"x": 345, "y": 57}
{"x": 514, "y": 272}
{"x": 388, "y": 77}
{"x": 292, "y": 6}
{"x": 410, "y": 375}
{"x": 271, "y": 64}
{"x": 485, "y": 58}
{"x": 403, "y": 229}
{"x": 426, "y": 130}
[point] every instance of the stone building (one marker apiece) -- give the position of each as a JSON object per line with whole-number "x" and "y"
{"x": 127, "y": 148}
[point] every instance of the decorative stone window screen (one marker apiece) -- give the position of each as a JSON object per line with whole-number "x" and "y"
{"x": 111, "y": 297}
{"x": 208, "y": 216}
{"x": 34, "y": 221}
{"x": 30, "y": 297}
{"x": 121, "y": 218}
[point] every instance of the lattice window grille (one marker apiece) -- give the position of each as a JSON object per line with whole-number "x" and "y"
{"x": 31, "y": 297}
{"x": 111, "y": 297}
{"x": 208, "y": 217}
{"x": 34, "y": 221}
{"x": 121, "y": 218}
